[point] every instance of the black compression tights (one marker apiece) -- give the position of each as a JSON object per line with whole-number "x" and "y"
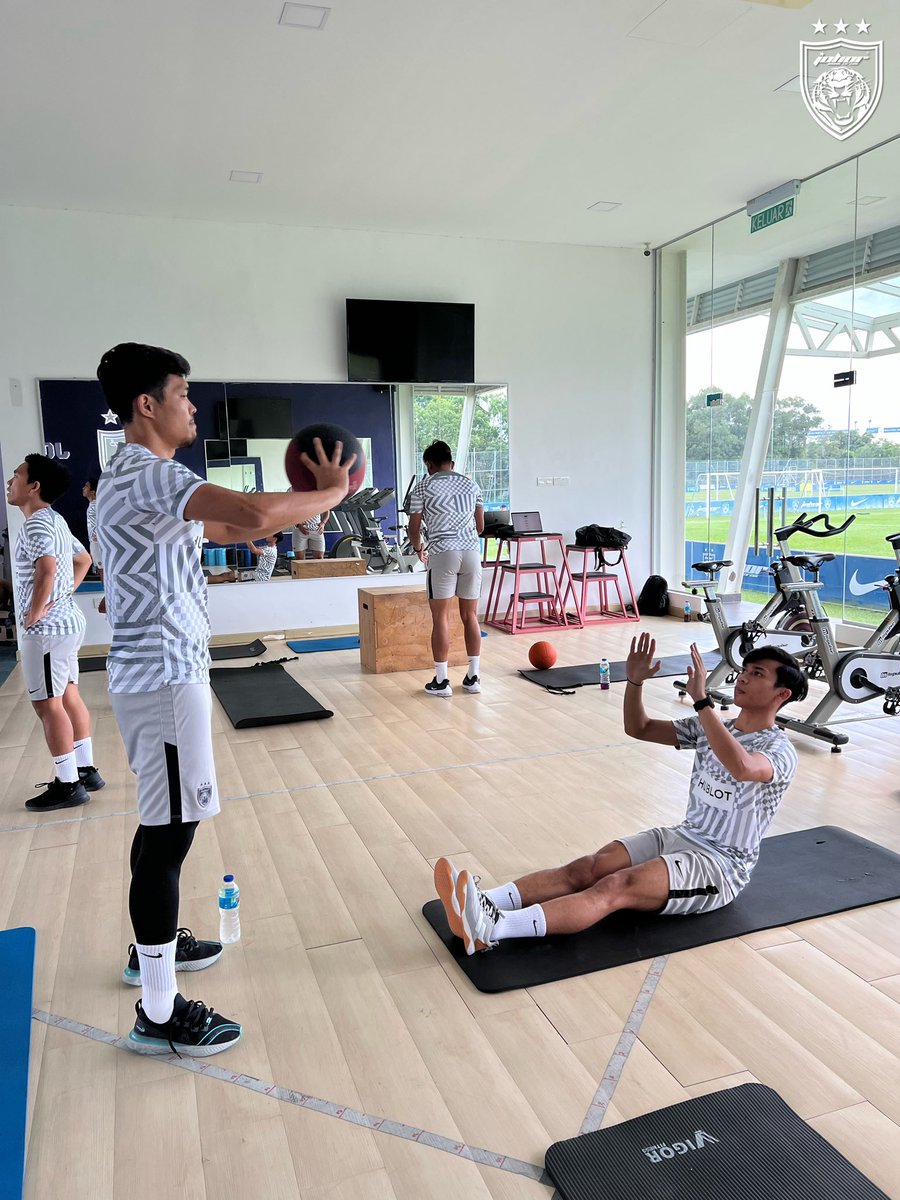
{"x": 157, "y": 853}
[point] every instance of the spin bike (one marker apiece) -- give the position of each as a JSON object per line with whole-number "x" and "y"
{"x": 782, "y": 621}
{"x": 853, "y": 676}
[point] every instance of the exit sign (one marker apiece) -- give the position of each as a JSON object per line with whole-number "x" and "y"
{"x": 771, "y": 216}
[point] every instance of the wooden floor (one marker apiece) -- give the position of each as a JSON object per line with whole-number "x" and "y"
{"x": 332, "y": 828}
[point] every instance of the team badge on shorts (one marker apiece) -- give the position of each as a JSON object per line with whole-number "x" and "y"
{"x": 204, "y": 794}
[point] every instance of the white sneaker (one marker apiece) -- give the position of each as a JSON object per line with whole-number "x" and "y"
{"x": 442, "y": 689}
{"x": 445, "y": 877}
{"x": 472, "y": 684}
{"x": 478, "y": 914}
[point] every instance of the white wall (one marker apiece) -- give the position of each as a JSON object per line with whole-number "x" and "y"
{"x": 568, "y": 327}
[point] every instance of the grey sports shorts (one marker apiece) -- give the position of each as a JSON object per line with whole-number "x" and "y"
{"x": 454, "y": 573}
{"x": 697, "y": 880}
{"x": 168, "y": 739}
{"x": 49, "y": 662}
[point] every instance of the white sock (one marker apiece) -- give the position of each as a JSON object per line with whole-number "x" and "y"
{"x": 474, "y": 665}
{"x": 66, "y": 768}
{"x": 506, "y": 897}
{"x": 525, "y": 922}
{"x": 157, "y": 965}
{"x": 440, "y": 671}
{"x": 84, "y": 752}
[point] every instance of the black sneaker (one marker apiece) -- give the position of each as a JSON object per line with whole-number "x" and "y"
{"x": 472, "y": 684}
{"x": 439, "y": 689}
{"x": 91, "y": 778}
{"x": 190, "y": 955}
{"x": 193, "y": 1030}
{"x": 58, "y": 795}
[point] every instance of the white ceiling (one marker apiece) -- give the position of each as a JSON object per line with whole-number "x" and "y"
{"x": 475, "y": 118}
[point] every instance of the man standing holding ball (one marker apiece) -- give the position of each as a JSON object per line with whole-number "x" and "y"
{"x": 451, "y": 507}
{"x": 152, "y": 514}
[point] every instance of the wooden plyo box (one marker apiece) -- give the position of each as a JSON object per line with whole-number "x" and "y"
{"x": 395, "y": 631}
{"x": 324, "y": 568}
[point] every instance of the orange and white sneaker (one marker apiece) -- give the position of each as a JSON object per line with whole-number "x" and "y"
{"x": 478, "y": 914}
{"x": 445, "y": 876}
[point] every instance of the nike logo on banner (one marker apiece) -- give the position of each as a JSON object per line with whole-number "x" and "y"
{"x": 861, "y": 589}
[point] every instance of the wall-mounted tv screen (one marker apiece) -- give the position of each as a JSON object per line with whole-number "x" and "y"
{"x": 406, "y": 341}
{"x": 255, "y": 417}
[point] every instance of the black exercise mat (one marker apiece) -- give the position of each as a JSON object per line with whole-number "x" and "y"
{"x": 744, "y": 1143}
{"x": 244, "y": 650}
{"x": 799, "y": 876}
{"x": 252, "y": 649}
{"x": 264, "y": 694}
{"x": 563, "y": 678}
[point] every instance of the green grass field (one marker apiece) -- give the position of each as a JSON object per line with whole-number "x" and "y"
{"x": 865, "y": 536}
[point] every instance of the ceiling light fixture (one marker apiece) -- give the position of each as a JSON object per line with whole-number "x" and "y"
{"x": 604, "y": 206}
{"x": 304, "y": 16}
{"x": 245, "y": 176}
{"x": 868, "y": 200}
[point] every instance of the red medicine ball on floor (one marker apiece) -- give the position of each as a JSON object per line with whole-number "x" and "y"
{"x": 542, "y": 656}
{"x": 302, "y": 479}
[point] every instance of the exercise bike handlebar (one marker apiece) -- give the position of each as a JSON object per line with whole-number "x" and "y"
{"x": 804, "y": 524}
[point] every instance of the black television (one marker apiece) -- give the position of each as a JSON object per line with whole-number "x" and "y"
{"x": 410, "y": 341}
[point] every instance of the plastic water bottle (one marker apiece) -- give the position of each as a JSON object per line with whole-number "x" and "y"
{"x": 687, "y": 611}
{"x": 604, "y": 675}
{"x": 229, "y": 911}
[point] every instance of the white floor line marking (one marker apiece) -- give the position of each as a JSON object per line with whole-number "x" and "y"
{"x": 203, "y": 1066}
{"x": 309, "y": 787}
{"x": 616, "y": 1065}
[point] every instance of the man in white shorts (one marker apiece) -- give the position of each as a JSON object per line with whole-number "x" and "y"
{"x": 310, "y": 535}
{"x": 152, "y": 515}
{"x": 49, "y": 564}
{"x": 451, "y": 508}
{"x": 741, "y": 771}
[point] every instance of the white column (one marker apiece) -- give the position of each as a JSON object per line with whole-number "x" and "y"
{"x": 760, "y": 431}
{"x": 669, "y": 418}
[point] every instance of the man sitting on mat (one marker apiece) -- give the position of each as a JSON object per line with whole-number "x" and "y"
{"x": 741, "y": 771}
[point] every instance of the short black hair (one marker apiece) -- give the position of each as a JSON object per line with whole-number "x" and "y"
{"x": 92, "y": 483}
{"x": 788, "y": 675}
{"x": 132, "y": 369}
{"x": 53, "y": 478}
{"x": 437, "y": 454}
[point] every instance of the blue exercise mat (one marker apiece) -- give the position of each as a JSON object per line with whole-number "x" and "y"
{"x": 17, "y": 974}
{"x": 312, "y": 645}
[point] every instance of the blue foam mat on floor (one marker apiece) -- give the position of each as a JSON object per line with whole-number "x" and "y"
{"x": 17, "y": 974}
{"x": 311, "y": 645}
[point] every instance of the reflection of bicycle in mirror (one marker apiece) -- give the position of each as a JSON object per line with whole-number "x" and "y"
{"x": 364, "y": 537}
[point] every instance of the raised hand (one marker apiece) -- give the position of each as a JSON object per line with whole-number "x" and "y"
{"x": 640, "y": 665}
{"x": 696, "y": 680}
{"x": 329, "y": 472}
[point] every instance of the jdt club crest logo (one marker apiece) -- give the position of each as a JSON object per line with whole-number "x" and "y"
{"x": 841, "y": 79}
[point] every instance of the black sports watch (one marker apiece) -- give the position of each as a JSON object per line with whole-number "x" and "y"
{"x": 706, "y": 702}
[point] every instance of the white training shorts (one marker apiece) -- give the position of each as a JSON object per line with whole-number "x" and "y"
{"x": 308, "y": 541}
{"x": 697, "y": 881}
{"x": 49, "y": 662}
{"x": 168, "y": 739}
{"x": 95, "y": 556}
{"x": 454, "y": 573}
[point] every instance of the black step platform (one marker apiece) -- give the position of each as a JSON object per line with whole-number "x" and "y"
{"x": 744, "y": 1143}
{"x": 799, "y": 876}
{"x": 583, "y": 676}
{"x": 264, "y": 694}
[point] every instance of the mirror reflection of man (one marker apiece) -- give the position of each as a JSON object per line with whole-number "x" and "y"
{"x": 450, "y": 506}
